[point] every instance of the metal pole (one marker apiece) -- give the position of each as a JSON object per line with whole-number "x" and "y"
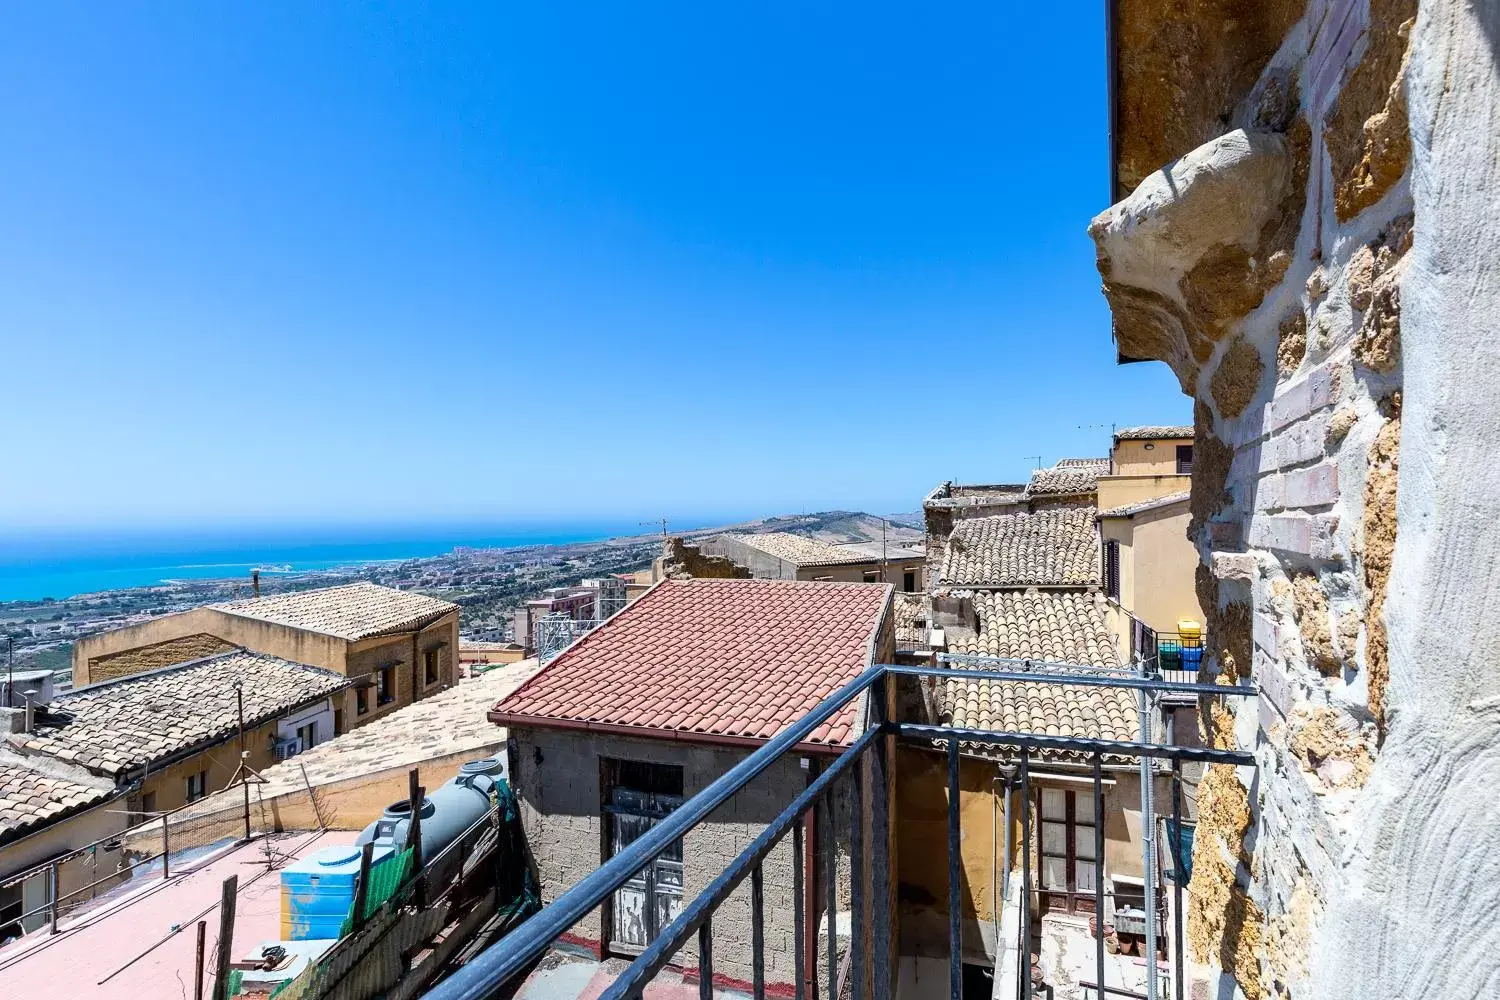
{"x": 1148, "y": 840}
{"x": 198, "y": 964}
{"x": 830, "y": 879}
{"x": 799, "y": 911}
{"x": 1099, "y": 872}
{"x": 955, "y": 929}
{"x": 1025, "y": 950}
{"x": 758, "y": 933}
{"x": 1177, "y": 873}
{"x": 52, "y": 881}
{"x": 239, "y": 701}
{"x": 166, "y": 850}
{"x": 857, "y": 883}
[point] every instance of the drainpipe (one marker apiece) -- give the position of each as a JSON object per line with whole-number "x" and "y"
{"x": 810, "y": 891}
{"x": 1148, "y": 837}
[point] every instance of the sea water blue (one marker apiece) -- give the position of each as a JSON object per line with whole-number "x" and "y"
{"x": 34, "y": 566}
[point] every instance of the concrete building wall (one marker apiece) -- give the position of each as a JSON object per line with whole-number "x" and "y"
{"x": 297, "y": 645}
{"x": 1157, "y": 566}
{"x": 143, "y": 658}
{"x": 1117, "y": 491}
{"x": 98, "y": 823}
{"x": 922, "y": 844}
{"x": 763, "y": 566}
{"x": 1133, "y": 457}
{"x": 557, "y": 779}
{"x": 169, "y": 785}
{"x": 1323, "y": 280}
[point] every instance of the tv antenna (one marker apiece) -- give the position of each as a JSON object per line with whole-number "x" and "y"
{"x": 659, "y": 521}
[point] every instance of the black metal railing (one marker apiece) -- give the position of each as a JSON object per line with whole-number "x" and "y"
{"x": 865, "y": 764}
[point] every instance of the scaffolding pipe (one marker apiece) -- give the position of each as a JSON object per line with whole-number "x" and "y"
{"x": 1148, "y": 838}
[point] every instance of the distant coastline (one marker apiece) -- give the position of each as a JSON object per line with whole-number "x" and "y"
{"x": 61, "y": 574}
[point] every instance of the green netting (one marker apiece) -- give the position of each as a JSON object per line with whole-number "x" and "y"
{"x": 385, "y": 879}
{"x": 236, "y": 980}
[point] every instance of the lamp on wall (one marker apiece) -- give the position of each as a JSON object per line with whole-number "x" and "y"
{"x": 1150, "y": 446}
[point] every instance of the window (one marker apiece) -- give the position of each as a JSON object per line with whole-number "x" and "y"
{"x": 872, "y": 576}
{"x": 197, "y": 786}
{"x": 148, "y": 804}
{"x": 361, "y": 701}
{"x": 308, "y": 734}
{"x": 430, "y": 666}
{"x": 909, "y": 581}
{"x": 1067, "y": 863}
{"x": 1112, "y": 569}
{"x": 1184, "y": 460}
{"x": 385, "y": 685}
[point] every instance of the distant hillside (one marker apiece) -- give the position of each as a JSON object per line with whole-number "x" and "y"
{"x": 836, "y": 527}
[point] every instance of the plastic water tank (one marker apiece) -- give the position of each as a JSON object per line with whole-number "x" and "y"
{"x": 447, "y": 811}
{"x": 317, "y": 892}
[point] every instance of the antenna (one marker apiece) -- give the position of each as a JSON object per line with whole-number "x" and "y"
{"x": 661, "y": 521}
{"x": 1037, "y": 457}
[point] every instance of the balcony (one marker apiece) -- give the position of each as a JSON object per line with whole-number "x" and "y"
{"x": 858, "y": 809}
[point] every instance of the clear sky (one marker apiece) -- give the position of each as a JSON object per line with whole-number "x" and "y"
{"x": 402, "y": 262}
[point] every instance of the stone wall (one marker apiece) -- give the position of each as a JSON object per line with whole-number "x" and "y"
{"x": 679, "y": 560}
{"x": 557, "y": 779}
{"x": 161, "y": 654}
{"x": 1324, "y": 278}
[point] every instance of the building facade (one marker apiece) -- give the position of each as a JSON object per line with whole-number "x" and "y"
{"x": 654, "y": 705}
{"x": 398, "y": 647}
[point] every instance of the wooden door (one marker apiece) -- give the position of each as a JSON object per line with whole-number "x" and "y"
{"x": 652, "y": 898}
{"x": 1068, "y": 868}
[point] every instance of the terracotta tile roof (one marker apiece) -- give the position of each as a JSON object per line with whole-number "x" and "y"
{"x": 911, "y": 621}
{"x": 738, "y": 658}
{"x": 121, "y": 724}
{"x": 799, "y": 549}
{"x": 1048, "y": 548}
{"x": 1066, "y": 627}
{"x": 34, "y": 793}
{"x": 1154, "y": 432}
{"x": 1141, "y": 506}
{"x": 352, "y": 611}
{"x": 1071, "y": 475}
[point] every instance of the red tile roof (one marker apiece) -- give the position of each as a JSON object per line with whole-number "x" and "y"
{"x": 726, "y": 658}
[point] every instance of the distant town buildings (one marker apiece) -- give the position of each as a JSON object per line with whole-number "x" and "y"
{"x": 782, "y": 555}
{"x": 395, "y": 646}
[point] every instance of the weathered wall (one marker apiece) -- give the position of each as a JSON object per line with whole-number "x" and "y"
{"x": 1117, "y": 491}
{"x": 1157, "y": 562}
{"x": 557, "y": 780}
{"x": 162, "y": 654}
{"x": 278, "y": 640}
{"x": 678, "y": 558}
{"x": 1325, "y": 282}
{"x": 1138, "y": 457}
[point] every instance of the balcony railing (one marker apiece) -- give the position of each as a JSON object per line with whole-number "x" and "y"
{"x": 871, "y": 958}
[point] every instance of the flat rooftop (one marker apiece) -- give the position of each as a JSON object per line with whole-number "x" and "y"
{"x": 91, "y": 944}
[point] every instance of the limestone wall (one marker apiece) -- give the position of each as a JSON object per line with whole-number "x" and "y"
{"x": 1324, "y": 279}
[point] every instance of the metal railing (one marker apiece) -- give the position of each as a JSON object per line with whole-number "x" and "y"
{"x": 497, "y": 971}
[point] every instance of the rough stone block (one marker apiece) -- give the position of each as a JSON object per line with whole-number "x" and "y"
{"x": 1270, "y": 493}
{"x": 1299, "y": 399}
{"x": 1264, "y": 629}
{"x": 1225, "y": 534}
{"x": 1303, "y": 442}
{"x": 1315, "y": 487}
{"x": 1287, "y": 532}
{"x": 1239, "y": 566}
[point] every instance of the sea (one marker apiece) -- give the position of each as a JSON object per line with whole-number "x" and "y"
{"x": 34, "y": 566}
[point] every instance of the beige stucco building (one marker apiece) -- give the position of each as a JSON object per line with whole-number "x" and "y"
{"x": 781, "y": 555}
{"x": 396, "y": 645}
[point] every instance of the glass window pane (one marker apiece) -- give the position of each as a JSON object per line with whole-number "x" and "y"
{"x": 1083, "y": 874}
{"x": 1054, "y": 873}
{"x": 1083, "y": 807}
{"x": 1055, "y": 839}
{"x": 1054, "y": 804}
{"x": 1083, "y": 842}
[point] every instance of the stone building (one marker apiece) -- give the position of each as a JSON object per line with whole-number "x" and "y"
{"x": 1305, "y": 231}
{"x": 396, "y": 645}
{"x": 650, "y": 708}
{"x": 781, "y": 555}
{"x": 99, "y": 758}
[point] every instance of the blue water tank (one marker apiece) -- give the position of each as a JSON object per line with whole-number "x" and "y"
{"x": 317, "y": 892}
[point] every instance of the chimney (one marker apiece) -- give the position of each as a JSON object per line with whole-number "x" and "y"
{"x": 255, "y": 581}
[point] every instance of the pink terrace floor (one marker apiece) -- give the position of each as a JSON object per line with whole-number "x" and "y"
{"x": 562, "y": 978}
{"x": 95, "y": 944}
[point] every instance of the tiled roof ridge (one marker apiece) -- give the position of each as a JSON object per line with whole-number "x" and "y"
{"x": 274, "y": 609}
{"x": 1141, "y": 506}
{"x": 145, "y": 675}
{"x": 1146, "y": 431}
{"x": 833, "y": 554}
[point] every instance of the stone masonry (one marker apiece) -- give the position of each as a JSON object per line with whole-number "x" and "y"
{"x": 1323, "y": 278}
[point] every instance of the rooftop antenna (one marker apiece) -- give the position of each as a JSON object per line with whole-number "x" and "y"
{"x": 1037, "y": 457}
{"x": 255, "y": 581}
{"x": 661, "y": 521}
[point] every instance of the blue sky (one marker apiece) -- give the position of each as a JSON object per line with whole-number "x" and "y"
{"x": 286, "y": 262}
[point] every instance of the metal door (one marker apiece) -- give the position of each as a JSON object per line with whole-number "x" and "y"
{"x": 653, "y": 897}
